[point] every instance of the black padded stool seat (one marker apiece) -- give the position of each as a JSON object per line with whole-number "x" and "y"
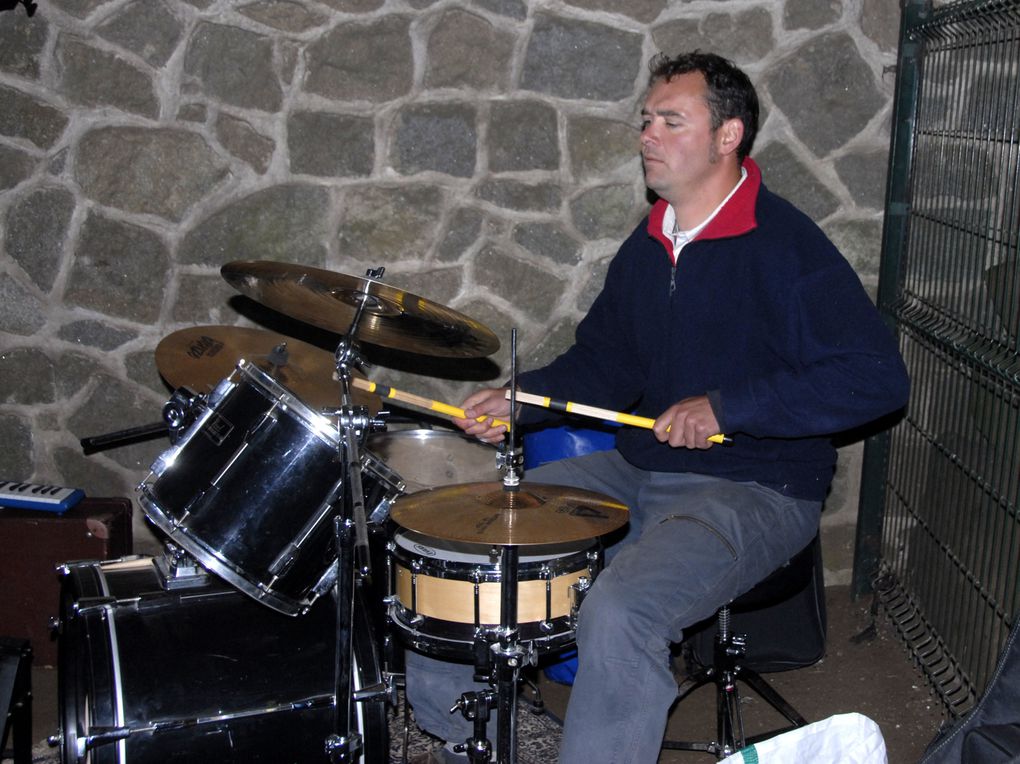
{"x": 729, "y": 651}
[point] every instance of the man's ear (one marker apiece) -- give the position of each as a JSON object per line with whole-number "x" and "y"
{"x": 729, "y": 136}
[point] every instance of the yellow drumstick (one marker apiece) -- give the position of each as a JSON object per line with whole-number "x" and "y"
{"x": 597, "y": 413}
{"x": 416, "y": 400}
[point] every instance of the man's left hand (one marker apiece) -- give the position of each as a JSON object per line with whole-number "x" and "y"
{"x": 687, "y": 424}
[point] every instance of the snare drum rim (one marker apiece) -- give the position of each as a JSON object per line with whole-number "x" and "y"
{"x": 480, "y": 571}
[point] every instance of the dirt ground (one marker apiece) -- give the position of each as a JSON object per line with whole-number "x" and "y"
{"x": 872, "y": 675}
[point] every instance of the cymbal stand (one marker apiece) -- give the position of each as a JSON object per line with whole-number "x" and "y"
{"x": 353, "y": 560}
{"x": 505, "y": 654}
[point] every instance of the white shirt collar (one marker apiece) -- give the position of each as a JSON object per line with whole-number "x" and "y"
{"x": 680, "y": 238}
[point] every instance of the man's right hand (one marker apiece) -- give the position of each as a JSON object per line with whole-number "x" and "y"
{"x": 486, "y": 403}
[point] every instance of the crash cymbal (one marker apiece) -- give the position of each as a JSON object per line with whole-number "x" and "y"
{"x": 392, "y": 317}
{"x": 486, "y": 513}
{"x": 200, "y": 356}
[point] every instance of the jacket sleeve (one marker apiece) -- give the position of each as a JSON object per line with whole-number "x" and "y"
{"x": 844, "y": 368}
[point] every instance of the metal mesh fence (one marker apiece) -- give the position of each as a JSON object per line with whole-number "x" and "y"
{"x": 949, "y": 573}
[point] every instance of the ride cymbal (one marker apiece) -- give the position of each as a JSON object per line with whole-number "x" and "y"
{"x": 486, "y": 513}
{"x": 200, "y": 356}
{"x": 391, "y": 317}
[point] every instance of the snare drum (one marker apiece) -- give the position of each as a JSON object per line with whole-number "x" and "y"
{"x": 447, "y": 593}
{"x": 148, "y": 672}
{"x": 250, "y": 490}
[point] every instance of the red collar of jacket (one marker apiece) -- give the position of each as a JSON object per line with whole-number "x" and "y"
{"x": 736, "y": 218}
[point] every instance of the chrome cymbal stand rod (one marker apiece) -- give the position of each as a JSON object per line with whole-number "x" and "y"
{"x": 507, "y": 648}
{"x": 344, "y": 745}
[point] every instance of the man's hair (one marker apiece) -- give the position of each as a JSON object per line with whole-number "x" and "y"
{"x": 730, "y": 93}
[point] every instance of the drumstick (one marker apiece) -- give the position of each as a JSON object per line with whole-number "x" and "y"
{"x": 416, "y": 400}
{"x": 597, "y": 413}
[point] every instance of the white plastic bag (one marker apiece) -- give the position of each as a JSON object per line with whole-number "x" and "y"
{"x": 840, "y": 739}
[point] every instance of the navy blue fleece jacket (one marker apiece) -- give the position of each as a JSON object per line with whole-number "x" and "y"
{"x": 761, "y": 313}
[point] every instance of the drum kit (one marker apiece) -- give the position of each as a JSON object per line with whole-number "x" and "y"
{"x": 282, "y": 486}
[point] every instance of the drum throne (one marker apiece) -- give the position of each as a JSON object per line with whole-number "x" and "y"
{"x": 789, "y": 599}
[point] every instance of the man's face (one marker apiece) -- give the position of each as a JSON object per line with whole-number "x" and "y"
{"x": 678, "y": 145}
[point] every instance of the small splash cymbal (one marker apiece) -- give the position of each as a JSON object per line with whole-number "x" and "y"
{"x": 486, "y": 513}
{"x": 391, "y": 317}
{"x": 199, "y": 357}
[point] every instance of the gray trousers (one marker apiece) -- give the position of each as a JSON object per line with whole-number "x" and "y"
{"x": 692, "y": 544}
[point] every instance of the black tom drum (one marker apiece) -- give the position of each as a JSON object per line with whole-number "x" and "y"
{"x": 250, "y": 491}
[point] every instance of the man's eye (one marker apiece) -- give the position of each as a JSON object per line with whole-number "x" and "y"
{"x": 672, "y": 124}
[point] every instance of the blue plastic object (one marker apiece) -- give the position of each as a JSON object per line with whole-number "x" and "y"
{"x": 549, "y": 445}
{"x": 554, "y": 443}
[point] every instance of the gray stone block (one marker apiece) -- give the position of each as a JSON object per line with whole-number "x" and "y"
{"x": 387, "y": 224}
{"x": 641, "y": 10}
{"x": 452, "y": 60}
{"x": 548, "y": 240}
{"x": 744, "y": 37}
{"x": 24, "y": 116}
{"x": 580, "y": 59}
{"x": 21, "y": 44}
{"x": 330, "y": 145}
{"x": 96, "y": 334}
{"x": 16, "y": 457}
{"x": 517, "y": 195}
{"x": 864, "y": 173}
{"x": 606, "y": 211}
{"x": 784, "y": 174}
{"x": 826, "y": 90}
{"x": 21, "y": 311}
{"x": 245, "y": 142}
{"x": 515, "y": 9}
{"x": 523, "y": 135}
{"x": 439, "y": 137}
{"x": 283, "y": 15}
{"x": 37, "y": 229}
{"x": 811, "y": 14}
{"x": 94, "y": 77}
{"x": 285, "y": 222}
{"x": 369, "y": 62}
{"x": 21, "y": 364}
{"x": 600, "y": 146}
{"x": 15, "y": 166}
{"x": 160, "y": 171}
{"x": 147, "y": 28}
{"x": 118, "y": 269}
{"x": 234, "y": 65}
{"x": 534, "y": 290}
{"x": 462, "y": 231}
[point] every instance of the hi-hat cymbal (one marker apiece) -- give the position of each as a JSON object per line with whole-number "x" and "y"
{"x": 392, "y": 317}
{"x": 486, "y": 513}
{"x": 200, "y": 356}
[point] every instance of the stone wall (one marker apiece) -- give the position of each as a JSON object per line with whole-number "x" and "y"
{"x": 482, "y": 151}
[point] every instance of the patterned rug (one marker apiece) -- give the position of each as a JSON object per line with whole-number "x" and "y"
{"x": 538, "y": 736}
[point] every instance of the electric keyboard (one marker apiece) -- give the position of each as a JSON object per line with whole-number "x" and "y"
{"x": 51, "y": 498}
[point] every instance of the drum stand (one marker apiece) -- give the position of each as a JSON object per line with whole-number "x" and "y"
{"x": 499, "y": 661}
{"x": 353, "y": 558}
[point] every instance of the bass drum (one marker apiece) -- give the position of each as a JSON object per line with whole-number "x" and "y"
{"x": 153, "y": 673}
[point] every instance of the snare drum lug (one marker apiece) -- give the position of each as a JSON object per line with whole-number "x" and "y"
{"x": 545, "y": 626}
